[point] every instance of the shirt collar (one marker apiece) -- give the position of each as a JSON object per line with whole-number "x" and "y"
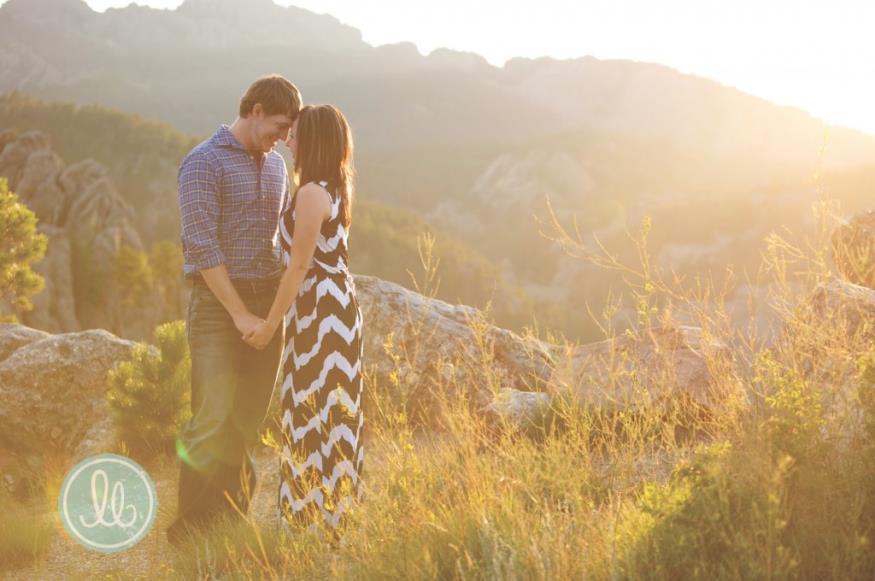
{"x": 224, "y": 137}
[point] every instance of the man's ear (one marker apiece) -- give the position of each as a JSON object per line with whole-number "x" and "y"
{"x": 257, "y": 111}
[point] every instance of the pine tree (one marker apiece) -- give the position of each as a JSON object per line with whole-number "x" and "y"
{"x": 20, "y": 246}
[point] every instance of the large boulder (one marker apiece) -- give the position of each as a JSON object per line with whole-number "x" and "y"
{"x": 660, "y": 366}
{"x": 420, "y": 339}
{"x": 53, "y": 386}
{"x": 853, "y": 249}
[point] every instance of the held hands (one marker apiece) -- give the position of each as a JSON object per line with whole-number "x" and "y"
{"x": 254, "y": 330}
{"x": 246, "y": 323}
{"x": 260, "y": 335}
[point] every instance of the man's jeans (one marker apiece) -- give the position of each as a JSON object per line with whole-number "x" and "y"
{"x": 231, "y": 388}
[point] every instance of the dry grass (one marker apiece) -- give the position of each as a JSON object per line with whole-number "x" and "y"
{"x": 777, "y": 485}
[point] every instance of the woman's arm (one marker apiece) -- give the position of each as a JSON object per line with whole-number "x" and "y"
{"x": 312, "y": 207}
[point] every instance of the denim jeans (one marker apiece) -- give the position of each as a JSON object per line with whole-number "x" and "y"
{"x": 231, "y": 388}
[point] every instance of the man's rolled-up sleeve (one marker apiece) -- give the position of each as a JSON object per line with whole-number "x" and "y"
{"x": 199, "y": 210}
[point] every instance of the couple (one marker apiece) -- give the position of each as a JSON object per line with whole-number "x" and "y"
{"x": 271, "y": 295}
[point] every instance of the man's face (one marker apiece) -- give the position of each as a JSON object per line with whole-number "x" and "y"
{"x": 269, "y": 129}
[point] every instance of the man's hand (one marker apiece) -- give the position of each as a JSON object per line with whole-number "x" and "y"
{"x": 261, "y": 335}
{"x": 246, "y": 323}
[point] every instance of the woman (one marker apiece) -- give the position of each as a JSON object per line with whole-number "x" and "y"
{"x": 321, "y": 365}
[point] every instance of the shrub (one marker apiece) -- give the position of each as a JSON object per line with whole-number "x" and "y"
{"x": 708, "y": 522}
{"x": 149, "y": 395}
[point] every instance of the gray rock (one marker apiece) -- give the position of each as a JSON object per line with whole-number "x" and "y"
{"x": 661, "y": 366}
{"x": 13, "y": 336}
{"x": 38, "y": 188}
{"x": 435, "y": 341}
{"x": 99, "y": 439}
{"x": 53, "y": 389}
{"x": 16, "y": 154}
{"x": 519, "y": 408}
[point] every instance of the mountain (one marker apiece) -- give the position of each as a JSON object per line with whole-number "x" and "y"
{"x": 449, "y": 143}
{"x": 189, "y": 66}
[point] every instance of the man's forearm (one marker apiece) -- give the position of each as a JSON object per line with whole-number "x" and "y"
{"x": 220, "y": 283}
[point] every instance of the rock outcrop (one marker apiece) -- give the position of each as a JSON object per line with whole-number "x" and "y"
{"x": 87, "y": 223}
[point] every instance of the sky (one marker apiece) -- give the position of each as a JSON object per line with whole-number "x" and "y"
{"x": 815, "y": 55}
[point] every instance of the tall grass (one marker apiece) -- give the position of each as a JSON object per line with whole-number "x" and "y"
{"x": 777, "y": 482}
{"x": 25, "y": 532}
{"x": 773, "y": 481}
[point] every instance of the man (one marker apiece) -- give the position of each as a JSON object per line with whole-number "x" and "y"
{"x": 232, "y": 189}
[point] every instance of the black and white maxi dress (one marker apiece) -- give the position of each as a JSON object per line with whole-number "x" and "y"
{"x": 321, "y": 394}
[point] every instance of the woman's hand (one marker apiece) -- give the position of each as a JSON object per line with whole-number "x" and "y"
{"x": 247, "y": 322}
{"x": 260, "y": 335}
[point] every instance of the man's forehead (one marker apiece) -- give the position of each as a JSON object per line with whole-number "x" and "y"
{"x": 281, "y": 119}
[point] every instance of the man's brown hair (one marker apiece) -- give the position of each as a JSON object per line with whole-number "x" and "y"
{"x": 277, "y": 95}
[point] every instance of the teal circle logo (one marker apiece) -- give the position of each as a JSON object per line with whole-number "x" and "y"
{"x": 108, "y": 503}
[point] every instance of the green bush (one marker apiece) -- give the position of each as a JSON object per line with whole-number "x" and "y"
{"x": 707, "y": 522}
{"x": 787, "y": 498}
{"x": 149, "y": 395}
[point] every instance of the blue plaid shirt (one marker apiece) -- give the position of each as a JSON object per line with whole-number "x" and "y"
{"x": 230, "y": 201}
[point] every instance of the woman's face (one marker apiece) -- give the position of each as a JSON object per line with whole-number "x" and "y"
{"x": 292, "y": 139}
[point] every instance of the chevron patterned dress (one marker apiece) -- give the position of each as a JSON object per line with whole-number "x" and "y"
{"x": 322, "y": 451}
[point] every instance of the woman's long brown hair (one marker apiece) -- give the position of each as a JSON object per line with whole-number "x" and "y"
{"x": 324, "y": 152}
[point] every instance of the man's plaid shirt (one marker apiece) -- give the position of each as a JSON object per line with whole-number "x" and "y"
{"x": 230, "y": 208}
